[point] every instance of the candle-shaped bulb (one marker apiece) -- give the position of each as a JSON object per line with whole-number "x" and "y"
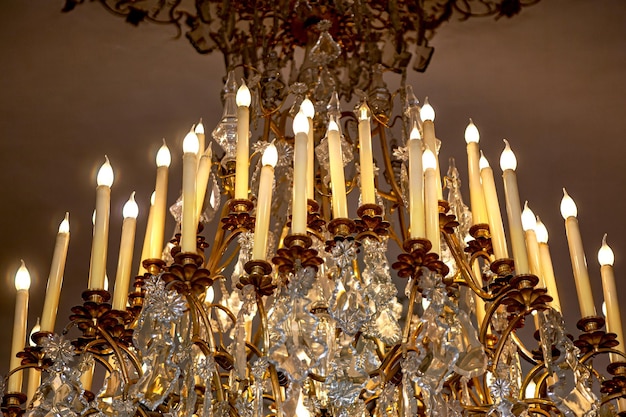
{"x": 605, "y": 254}
{"x": 363, "y": 111}
{"x": 105, "y": 174}
{"x": 568, "y": 207}
{"x": 332, "y": 125}
{"x": 307, "y": 108}
{"x": 427, "y": 112}
{"x": 415, "y": 133}
{"x": 529, "y": 221}
{"x": 471, "y": 133}
{"x": 428, "y": 159}
{"x": 36, "y": 329}
{"x": 483, "y": 163}
{"x": 507, "y": 158}
{"x": 209, "y": 295}
{"x": 130, "y": 210}
{"x": 199, "y": 128}
{"x": 270, "y": 156}
{"x": 64, "y": 227}
{"x": 191, "y": 144}
{"x": 163, "y": 156}
{"x": 22, "y": 278}
{"x": 243, "y": 97}
{"x": 300, "y": 123}
{"x": 541, "y": 231}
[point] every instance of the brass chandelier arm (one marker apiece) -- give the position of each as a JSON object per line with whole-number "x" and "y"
{"x": 522, "y": 349}
{"x": 453, "y": 243}
{"x": 505, "y": 335}
{"x": 219, "y": 236}
{"x": 113, "y": 344}
{"x": 380, "y": 128}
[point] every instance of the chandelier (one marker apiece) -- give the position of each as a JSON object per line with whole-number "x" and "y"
{"x": 322, "y": 264}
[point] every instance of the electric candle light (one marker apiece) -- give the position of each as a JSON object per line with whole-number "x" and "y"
{"x": 496, "y": 228}
{"x": 264, "y": 202}
{"x": 577, "y": 256}
{"x": 145, "y": 251}
{"x": 477, "y": 198}
{"x": 309, "y": 111}
{"x": 300, "y": 157}
{"x": 366, "y": 162}
{"x": 416, "y": 185}
{"x": 529, "y": 223}
{"x": 613, "y": 317}
{"x": 427, "y": 114}
{"x": 189, "y": 227}
{"x": 55, "y": 278}
{"x": 337, "y": 179}
{"x": 101, "y": 227}
{"x": 209, "y": 295}
{"x": 431, "y": 202}
{"x": 125, "y": 257}
{"x": 204, "y": 170}
{"x": 547, "y": 271}
{"x": 157, "y": 226}
{"x": 243, "y": 100}
{"x": 199, "y": 131}
{"x": 34, "y": 374}
{"x": 22, "y": 284}
{"x": 508, "y": 163}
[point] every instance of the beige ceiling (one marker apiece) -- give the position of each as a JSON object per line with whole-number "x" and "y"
{"x": 77, "y": 86}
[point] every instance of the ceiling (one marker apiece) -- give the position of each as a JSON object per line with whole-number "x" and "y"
{"x": 77, "y": 86}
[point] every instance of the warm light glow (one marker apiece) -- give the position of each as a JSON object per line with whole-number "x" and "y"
{"x": 541, "y": 231}
{"x": 199, "y": 128}
{"x": 64, "y": 227}
{"x": 22, "y": 278}
{"x": 415, "y": 133}
{"x": 428, "y": 159}
{"x": 604, "y": 308}
{"x": 529, "y": 221}
{"x": 301, "y": 410}
{"x": 427, "y": 112}
{"x": 530, "y": 389}
{"x": 332, "y": 125}
{"x": 605, "y": 254}
{"x": 209, "y": 296}
{"x": 191, "y": 144}
{"x": 568, "y": 207}
{"x": 152, "y": 197}
{"x": 270, "y": 156}
{"x": 106, "y": 282}
{"x": 243, "y": 97}
{"x": 364, "y": 111}
{"x": 300, "y": 123}
{"x": 471, "y": 133}
{"x": 36, "y": 329}
{"x": 307, "y": 108}
{"x": 483, "y": 163}
{"x": 93, "y": 218}
{"x": 163, "y": 156}
{"x": 130, "y": 208}
{"x": 507, "y": 158}
{"x": 105, "y": 174}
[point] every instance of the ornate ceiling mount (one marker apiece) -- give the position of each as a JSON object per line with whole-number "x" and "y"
{"x": 326, "y": 44}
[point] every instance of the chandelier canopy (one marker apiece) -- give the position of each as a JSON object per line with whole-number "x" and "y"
{"x": 322, "y": 264}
